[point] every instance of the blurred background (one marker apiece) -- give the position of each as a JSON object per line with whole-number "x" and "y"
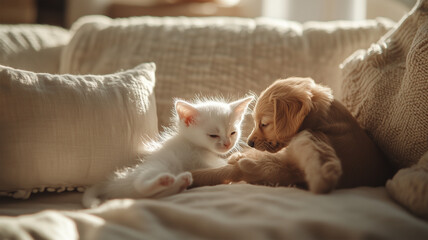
{"x": 65, "y": 12}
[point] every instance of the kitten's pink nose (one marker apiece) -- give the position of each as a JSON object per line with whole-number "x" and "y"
{"x": 227, "y": 145}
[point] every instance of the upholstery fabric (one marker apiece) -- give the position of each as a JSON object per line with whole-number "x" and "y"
{"x": 216, "y": 56}
{"x": 32, "y": 47}
{"x": 65, "y": 131}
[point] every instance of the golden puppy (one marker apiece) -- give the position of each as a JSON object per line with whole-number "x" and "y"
{"x": 303, "y": 137}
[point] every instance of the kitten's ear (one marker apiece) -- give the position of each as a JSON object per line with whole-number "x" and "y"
{"x": 186, "y": 112}
{"x": 240, "y": 106}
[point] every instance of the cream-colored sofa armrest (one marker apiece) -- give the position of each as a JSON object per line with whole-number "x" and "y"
{"x": 32, "y": 47}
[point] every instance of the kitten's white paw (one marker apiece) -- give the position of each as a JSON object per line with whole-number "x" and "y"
{"x": 184, "y": 180}
{"x": 165, "y": 180}
{"x": 235, "y": 158}
{"x": 155, "y": 185}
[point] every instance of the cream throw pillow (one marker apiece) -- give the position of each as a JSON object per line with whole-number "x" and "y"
{"x": 386, "y": 88}
{"x": 63, "y": 131}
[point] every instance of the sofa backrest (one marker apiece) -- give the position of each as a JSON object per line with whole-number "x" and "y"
{"x": 216, "y": 56}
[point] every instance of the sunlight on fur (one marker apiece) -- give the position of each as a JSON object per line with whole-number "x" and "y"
{"x": 302, "y": 136}
{"x": 201, "y": 134}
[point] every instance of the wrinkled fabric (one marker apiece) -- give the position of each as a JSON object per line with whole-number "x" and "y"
{"x": 237, "y": 211}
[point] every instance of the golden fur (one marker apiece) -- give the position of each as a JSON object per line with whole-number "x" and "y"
{"x": 303, "y": 137}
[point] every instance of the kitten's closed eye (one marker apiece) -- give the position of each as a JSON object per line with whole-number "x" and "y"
{"x": 213, "y": 136}
{"x": 233, "y": 133}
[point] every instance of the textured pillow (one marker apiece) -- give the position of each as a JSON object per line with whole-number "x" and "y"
{"x": 216, "y": 56}
{"x": 66, "y": 131}
{"x": 32, "y": 47}
{"x": 386, "y": 88}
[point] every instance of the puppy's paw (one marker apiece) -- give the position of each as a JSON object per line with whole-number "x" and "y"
{"x": 327, "y": 178}
{"x": 248, "y": 165}
{"x": 331, "y": 171}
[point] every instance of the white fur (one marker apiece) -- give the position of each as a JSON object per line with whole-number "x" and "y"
{"x": 202, "y": 133}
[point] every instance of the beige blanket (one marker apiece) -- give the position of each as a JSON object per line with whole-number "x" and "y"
{"x": 238, "y": 211}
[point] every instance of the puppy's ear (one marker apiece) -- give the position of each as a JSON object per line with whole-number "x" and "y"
{"x": 289, "y": 114}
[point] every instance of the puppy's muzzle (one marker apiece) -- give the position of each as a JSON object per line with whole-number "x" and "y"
{"x": 250, "y": 143}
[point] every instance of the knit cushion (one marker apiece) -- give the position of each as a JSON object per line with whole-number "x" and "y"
{"x": 66, "y": 131}
{"x": 386, "y": 88}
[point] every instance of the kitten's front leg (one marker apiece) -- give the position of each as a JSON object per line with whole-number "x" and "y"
{"x": 231, "y": 172}
{"x": 215, "y": 176}
{"x": 255, "y": 167}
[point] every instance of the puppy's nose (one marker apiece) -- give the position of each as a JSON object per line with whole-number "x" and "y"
{"x": 250, "y": 143}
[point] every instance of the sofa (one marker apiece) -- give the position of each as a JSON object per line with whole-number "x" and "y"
{"x": 77, "y": 104}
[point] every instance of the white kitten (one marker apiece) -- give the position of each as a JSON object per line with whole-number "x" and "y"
{"x": 202, "y": 132}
